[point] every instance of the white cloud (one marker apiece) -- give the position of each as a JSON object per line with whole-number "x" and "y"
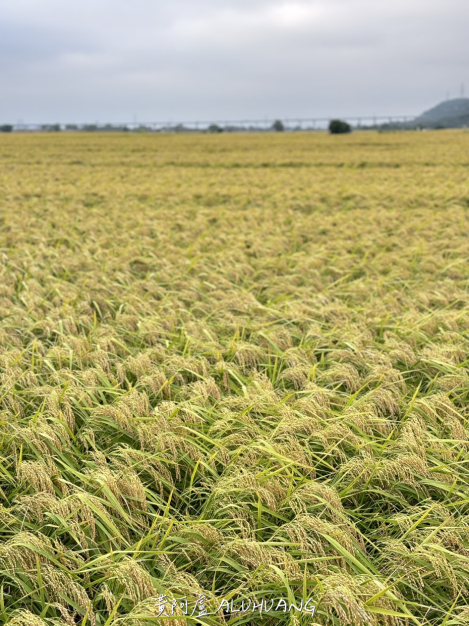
{"x": 63, "y": 60}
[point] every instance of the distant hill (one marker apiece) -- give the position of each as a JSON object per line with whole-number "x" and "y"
{"x": 448, "y": 114}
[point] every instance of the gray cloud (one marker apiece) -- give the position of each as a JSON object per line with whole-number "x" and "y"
{"x": 189, "y": 59}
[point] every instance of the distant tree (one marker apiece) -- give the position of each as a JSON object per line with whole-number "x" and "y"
{"x": 338, "y": 127}
{"x": 6, "y": 128}
{"x": 278, "y": 126}
{"x": 214, "y": 128}
{"x": 51, "y": 128}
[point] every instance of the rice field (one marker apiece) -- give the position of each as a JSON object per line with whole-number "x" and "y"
{"x": 234, "y": 368}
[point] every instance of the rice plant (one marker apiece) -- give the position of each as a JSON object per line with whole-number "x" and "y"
{"x": 234, "y": 368}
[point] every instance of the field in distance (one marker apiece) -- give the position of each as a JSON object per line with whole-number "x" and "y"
{"x": 234, "y": 366}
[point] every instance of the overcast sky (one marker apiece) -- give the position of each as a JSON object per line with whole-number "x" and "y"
{"x": 158, "y": 60}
